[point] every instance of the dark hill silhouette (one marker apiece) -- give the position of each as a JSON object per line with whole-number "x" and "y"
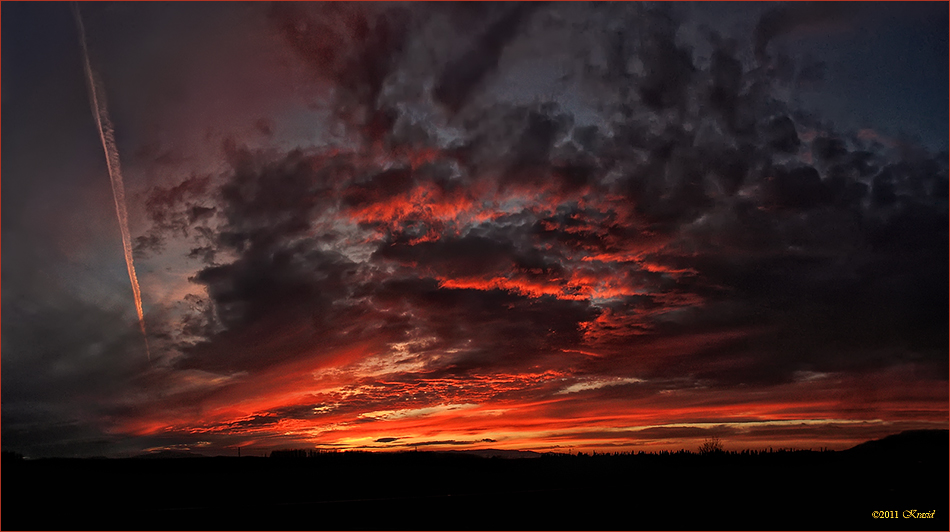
{"x": 498, "y": 453}
{"x": 786, "y": 490}
{"x": 168, "y": 454}
{"x": 907, "y": 443}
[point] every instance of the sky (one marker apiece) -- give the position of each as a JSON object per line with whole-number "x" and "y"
{"x": 544, "y": 226}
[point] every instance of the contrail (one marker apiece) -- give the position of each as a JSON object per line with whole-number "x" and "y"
{"x": 106, "y": 133}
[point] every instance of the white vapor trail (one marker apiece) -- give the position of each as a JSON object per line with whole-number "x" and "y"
{"x": 106, "y": 133}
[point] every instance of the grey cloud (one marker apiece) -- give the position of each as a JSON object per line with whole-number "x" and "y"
{"x": 784, "y": 19}
{"x": 464, "y": 74}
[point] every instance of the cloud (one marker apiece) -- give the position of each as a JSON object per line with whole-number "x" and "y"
{"x": 174, "y": 211}
{"x": 464, "y": 74}
{"x": 786, "y": 19}
{"x": 353, "y": 46}
{"x": 667, "y": 69}
{"x": 447, "y": 442}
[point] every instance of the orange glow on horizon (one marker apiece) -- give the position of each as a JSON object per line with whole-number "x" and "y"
{"x": 534, "y": 413}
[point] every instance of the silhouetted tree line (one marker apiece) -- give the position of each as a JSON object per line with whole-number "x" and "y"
{"x": 707, "y": 449}
{"x": 11, "y": 456}
{"x": 687, "y": 452}
{"x": 299, "y": 453}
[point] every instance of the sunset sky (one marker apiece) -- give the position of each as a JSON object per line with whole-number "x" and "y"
{"x": 546, "y": 226}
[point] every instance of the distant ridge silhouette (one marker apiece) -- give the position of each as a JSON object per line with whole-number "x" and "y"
{"x": 907, "y": 443}
{"x": 497, "y": 453}
{"x": 159, "y": 455}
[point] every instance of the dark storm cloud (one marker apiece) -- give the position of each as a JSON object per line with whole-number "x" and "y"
{"x": 829, "y": 149}
{"x": 827, "y": 287}
{"x": 205, "y": 254}
{"x": 590, "y": 230}
{"x": 532, "y": 153}
{"x": 354, "y": 45}
{"x": 812, "y": 72}
{"x": 781, "y": 134}
{"x": 489, "y": 330}
{"x": 463, "y": 75}
{"x": 450, "y": 257}
{"x": 254, "y": 421}
{"x": 805, "y": 233}
{"x": 799, "y": 188}
{"x": 725, "y": 72}
{"x": 449, "y": 442}
{"x": 785, "y": 19}
{"x": 669, "y": 189}
{"x": 174, "y": 211}
{"x": 267, "y": 202}
{"x": 379, "y": 187}
{"x": 278, "y": 286}
{"x": 668, "y": 68}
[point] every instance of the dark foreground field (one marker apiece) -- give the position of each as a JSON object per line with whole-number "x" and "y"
{"x": 418, "y": 491}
